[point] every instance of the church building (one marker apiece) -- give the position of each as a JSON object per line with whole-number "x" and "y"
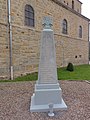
{"x": 20, "y": 34}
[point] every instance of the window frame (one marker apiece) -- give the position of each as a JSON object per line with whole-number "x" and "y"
{"x": 64, "y": 27}
{"x": 72, "y": 4}
{"x": 80, "y": 31}
{"x": 29, "y": 16}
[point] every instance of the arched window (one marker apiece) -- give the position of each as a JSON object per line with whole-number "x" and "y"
{"x": 64, "y": 26}
{"x": 29, "y": 16}
{"x": 80, "y": 31}
{"x": 72, "y": 4}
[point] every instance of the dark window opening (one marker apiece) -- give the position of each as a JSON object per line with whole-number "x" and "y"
{"x": 64, "y": 27}
{"x": 72, "y": 4}
{"x": 80, "y": 56}
{"x": 76, "y": 56}
{"x": 29, "y": 16}
{"x": 80, "y": 31}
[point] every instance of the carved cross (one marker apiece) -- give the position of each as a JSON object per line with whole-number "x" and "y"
{"x": 47, "y": 22}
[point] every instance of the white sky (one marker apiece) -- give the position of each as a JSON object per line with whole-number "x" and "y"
{"x": 86, "y": 8}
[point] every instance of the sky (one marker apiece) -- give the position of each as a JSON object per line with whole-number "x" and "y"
{"x": 86, "y": 8}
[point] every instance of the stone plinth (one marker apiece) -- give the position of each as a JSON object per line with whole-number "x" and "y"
{"x": 47, "y": 89}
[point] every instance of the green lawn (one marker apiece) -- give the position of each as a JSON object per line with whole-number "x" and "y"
{"x": 81, "y": 72}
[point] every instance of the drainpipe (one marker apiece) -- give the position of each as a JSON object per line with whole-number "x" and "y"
{"x": 89, "y": 39}
{"x": 10, "y": 38}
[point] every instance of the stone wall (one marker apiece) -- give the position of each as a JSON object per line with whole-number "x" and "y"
{"x": 77, "y": 4}
{"x": 26, "y": 40}
{"x": 3, "y": 11}
{"x": 4, "y": 41}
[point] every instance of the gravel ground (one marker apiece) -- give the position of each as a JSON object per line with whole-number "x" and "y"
{"x": 15, "y": 101}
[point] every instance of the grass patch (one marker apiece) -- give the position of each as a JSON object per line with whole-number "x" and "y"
{"x": 81, "y": 72}
{"x": 29, "y": 77}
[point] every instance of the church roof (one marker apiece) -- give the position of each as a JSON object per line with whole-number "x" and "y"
{"x": 79, "y": 1}
{"x": 70, "y": 9}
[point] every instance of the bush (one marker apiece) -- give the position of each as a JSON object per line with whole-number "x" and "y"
{"x": 70, "y": 67}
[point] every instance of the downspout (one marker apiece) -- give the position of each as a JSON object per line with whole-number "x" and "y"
{"x": 89, "y": 39}
{"x": 10, "y": 38}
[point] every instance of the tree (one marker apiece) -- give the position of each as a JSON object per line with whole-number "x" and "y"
{"x": 70, "y": 67}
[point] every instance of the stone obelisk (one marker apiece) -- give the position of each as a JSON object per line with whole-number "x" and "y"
{"x": 47, "y": 89}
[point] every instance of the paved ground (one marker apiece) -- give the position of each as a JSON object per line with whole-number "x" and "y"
{"x": 15, "y": 101}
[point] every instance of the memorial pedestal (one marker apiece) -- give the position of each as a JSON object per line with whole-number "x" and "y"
{"x": 46, "y": 94}
{"x": 47, "y": 89}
